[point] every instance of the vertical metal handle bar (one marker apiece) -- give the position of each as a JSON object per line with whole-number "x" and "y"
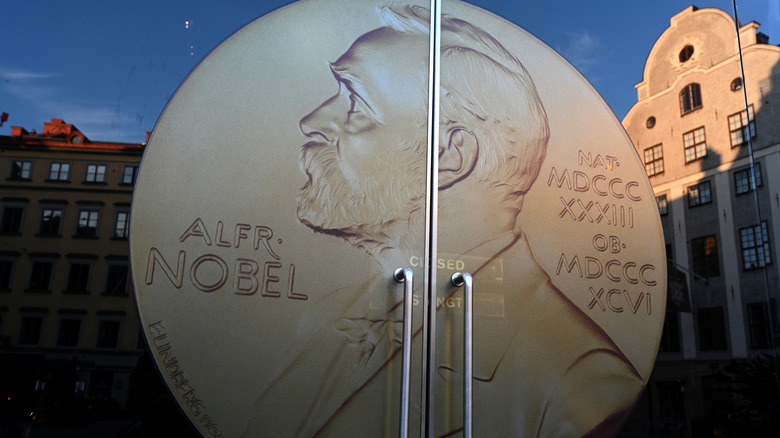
{"x": 405, "y": 276}
{"x": 465, "y": 280}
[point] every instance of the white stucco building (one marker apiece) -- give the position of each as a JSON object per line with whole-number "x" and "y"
{"x": 695, "y": 121}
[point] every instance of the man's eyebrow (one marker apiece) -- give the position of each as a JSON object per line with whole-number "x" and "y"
{"x": 352, "y": 82}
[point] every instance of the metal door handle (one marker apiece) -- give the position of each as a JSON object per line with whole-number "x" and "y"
{"x": 465, "y": 280}
{"x": 405, "y": 276}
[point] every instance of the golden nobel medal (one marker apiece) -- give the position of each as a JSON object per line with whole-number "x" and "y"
{"x": 290, "y": 176}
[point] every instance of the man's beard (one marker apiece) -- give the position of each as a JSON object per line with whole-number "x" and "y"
{"x": 369, "y": 213}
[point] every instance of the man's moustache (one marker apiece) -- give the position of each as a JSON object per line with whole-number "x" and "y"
{"x": 315, "y": 155}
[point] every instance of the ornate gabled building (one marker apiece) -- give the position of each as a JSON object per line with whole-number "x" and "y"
{"x": 68, "y": 321}
{"x": 707, "y": 126}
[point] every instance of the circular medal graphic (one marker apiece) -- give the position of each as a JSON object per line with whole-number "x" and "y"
{"x": 287, "y": 179}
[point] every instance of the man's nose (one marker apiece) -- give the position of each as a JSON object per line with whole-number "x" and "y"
{"x": 322, "y": 124}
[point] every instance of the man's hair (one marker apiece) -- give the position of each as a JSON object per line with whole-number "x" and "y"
{"x": 487, "y": 91}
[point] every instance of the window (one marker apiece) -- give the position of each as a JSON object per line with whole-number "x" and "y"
{"x": 59, "y": 172}
{"x": 712, "y": 328}
{"x": 650, "y": 122}
{"x": 88, "y": 223}
{"x": 40, "y": 276}
{"x": 743, "y": 183}
{"x": 699, "y": 194}
{"x": 122, "y": 225}
{"x": 116, "y": 279}
{"x": 755, "y": 247}
{"x": 69, "y": 331}
{"x": 30, "y": 328}
{"x": 758, "y": 322}
{"x": 742, "y": 127}
{"x": 78, "y": 277}
{"x": 108, "y": 333}
{"x": 705, "y": 256}
{"x": 736, "y": 84}
{"x": 690, "y": 98}
{"x": 672, "y": 406}
{"x": 686, "y": 53}
{"x": 21, "y": 169}
{"x": 51, "y": 222}
{"x": 695, "y": 145}
{"x": 663, "y": 205}
{"x": 670, "y": 336}
{"x": 654, "y": 160}
{"x": 96, "y": 173}
{"x": 128, "y": 175}
{"x": 6, "y": 272}
{"x": 11, "y": 221}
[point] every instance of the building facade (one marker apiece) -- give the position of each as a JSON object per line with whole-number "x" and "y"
{"x": 68, "y": 321}
{"x": 697, "y": 119}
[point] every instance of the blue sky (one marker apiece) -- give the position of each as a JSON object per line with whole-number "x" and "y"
{"x": 109, "y": 66}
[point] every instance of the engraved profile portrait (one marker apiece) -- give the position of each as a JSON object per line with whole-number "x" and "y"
{"x": 362, "y": 142}
{"x": 290, "y": 176}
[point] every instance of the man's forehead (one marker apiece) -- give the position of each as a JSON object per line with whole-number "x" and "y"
{"x": 385, "y": 45}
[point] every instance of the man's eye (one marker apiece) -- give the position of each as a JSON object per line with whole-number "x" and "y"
{"x": 354, "y": 105}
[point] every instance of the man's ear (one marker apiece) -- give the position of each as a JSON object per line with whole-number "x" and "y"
{"x": 457, "y": 157}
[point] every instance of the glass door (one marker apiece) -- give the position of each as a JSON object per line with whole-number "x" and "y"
{"x": 297, "y": 169}
{"x": 543, "y": 201}
{"x": 282, "y": 187}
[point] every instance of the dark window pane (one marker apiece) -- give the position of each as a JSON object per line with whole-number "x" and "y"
{"x": 68, "y": 333}
{"x": 712, "y": 328}
{"x": 108, "y": 334}
{"x": 30, "y": 330}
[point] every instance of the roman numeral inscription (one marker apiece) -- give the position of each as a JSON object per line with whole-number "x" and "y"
{"x": 595, "y": 196}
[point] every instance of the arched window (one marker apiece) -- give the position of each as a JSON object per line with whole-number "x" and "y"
{"x": 690, "y": 98}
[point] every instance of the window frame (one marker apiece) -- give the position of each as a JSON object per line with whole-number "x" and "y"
{"x": 24, "y": 168}
{"x": 7, "y": 268}
{"x": 655, "y": 160}
{"x": 103, "y": 321}
{"x": 122, "y": 225}
{"x": 129, "y": 174}
{"x": 701, "y": 197}
{"x": 750, "y": 127}
{"x": 44, "y": 225}
{"x": 83, "y": 231}
{"x": 743, "y": 183}
{"x": 70, "y": 317}
{"x": 12, "y": 218}
{"x": 79, "y": 276}
{"x": 38, "y": 267}
{"x": 110, "y": 286}
{"x": 95, "y": 176}
{"x": 755, "y": 247}
{"x": 695, "y": 145}
{"x": 663, "y": 205}
{"x": 705, "y": 256}
{"x": 759, "y": 317}
{"x": 62, "y": 174}
{"x": 690, "y": 98}
{"x": 23, "y": 329}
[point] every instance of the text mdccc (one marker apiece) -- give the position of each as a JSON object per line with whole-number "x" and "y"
{"x": 414, "y": 219}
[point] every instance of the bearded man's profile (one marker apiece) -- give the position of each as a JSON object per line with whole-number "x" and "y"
{"x": 530, "y": 378}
